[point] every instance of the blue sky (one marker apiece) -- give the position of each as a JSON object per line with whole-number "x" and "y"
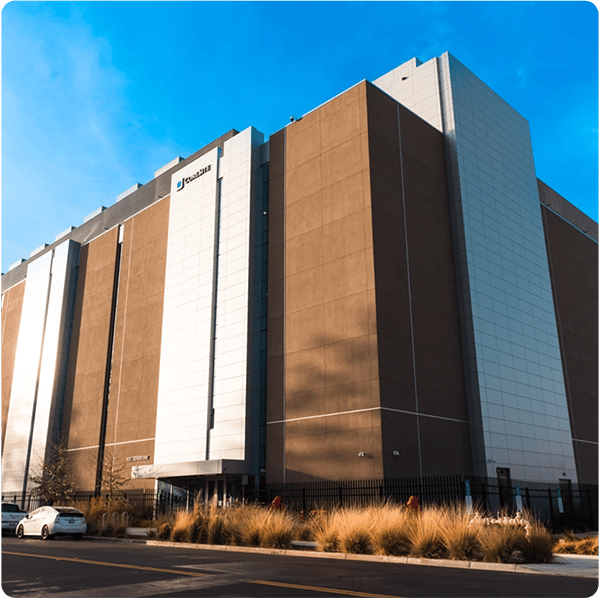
{"x": 98, "y": 95}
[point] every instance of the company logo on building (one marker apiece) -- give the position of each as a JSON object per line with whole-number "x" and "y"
{"x": 184, "y": 180}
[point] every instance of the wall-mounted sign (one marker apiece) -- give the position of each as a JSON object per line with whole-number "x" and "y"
{"x": 182, "y": 182}
{"x": 137, "y": 458}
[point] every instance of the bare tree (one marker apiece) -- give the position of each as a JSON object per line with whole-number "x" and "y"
{"x": 52, "y": 480}
{"x": 114, "y": 474}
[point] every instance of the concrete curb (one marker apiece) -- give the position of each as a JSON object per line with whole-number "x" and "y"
{"x": 560, "y": 567}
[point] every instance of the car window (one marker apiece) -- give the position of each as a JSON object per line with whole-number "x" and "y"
{"x": 69, "y": 511}
{"x": 10, "y": 508}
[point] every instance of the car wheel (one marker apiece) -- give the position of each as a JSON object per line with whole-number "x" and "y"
{"x": 77, "y": 536}
{"x": 20, "y": 532}
{"x": 46, "y": 533}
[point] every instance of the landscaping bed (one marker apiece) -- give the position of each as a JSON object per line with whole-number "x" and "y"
{"x": 386, "y": 529}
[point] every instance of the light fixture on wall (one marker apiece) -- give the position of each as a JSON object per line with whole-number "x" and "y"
{"x": 361, "y": 454}
{"x": 395, "y": 453}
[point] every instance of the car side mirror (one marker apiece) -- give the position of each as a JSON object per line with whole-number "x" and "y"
{"x": 29, "y": 516}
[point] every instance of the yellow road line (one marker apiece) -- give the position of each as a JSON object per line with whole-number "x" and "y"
{"x": 107, "y": 564}
{"x": 310, "y": 588}
{"x": 313, "y": 588}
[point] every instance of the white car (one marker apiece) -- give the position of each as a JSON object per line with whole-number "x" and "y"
{"x": 50, "y": 521}
{"x": 11, "y": 515}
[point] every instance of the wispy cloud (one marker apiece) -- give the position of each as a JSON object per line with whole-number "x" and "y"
{"x": 522, "y": 78}
{"x": 65, "y": 125}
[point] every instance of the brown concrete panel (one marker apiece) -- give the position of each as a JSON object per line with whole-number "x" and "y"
{"x": 335, "y": 443}
{"x": 344, "y": 236}
{"x": 573, "y": 261}
{"x": 327, "y": 260}
{"x": 343, "y": 101}
{"x": 348, "y": 360}
{"x": 304, "y": 329}
{"x": 275, "y": 456}
{"x": 348, "y": 317}
{"x": 587, "y": 458}
{"x": 341, "y": 125}
{"x": 306, "y": 403}
{"x": 275, "y": 336}
{"x": 399, "y": 431}
{"x": 346, "y": 276}
{"x": 343, "y": 198}
{"x": 275, "y": 392}
{"x": 89, "y": 344}
{"x": 276, "y": 169}
{"x": 136, "y": 356}
{"x": 304, "y": 180}
{"x": 306, "y": 145}
{"x": 342, "y": 161}
{"x": 83, "y": 464}
{"x": 304, "y": 252}
{"x": 305, "y": 370}
{"x": 445, "y": 447}
{"x": 302, "y": 217}
{"x": 348, "y": 396}
{"x": 12, "y": 306}
{"x": 304, "y": 289}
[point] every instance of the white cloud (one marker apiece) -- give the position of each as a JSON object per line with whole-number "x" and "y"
{"x": 65, "y": 126}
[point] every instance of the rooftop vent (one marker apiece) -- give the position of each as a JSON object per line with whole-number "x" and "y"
{"x": 38, "y": 250}
{"x": 63, "y": 233}
{"x": 174, "y": 162}
{"x": 94, "y": 214}
{"x": 16, "y": 264}
{"x": 126, "y": 193}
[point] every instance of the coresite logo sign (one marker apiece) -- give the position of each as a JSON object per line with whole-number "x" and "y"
{"x": 185, "y": 180}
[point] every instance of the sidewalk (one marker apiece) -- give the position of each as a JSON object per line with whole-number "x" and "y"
{"x": 565, "y": 565}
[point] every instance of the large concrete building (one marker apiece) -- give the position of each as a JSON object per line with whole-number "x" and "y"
{"x": 382, "y": 289}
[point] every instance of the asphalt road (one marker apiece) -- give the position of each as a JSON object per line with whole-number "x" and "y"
{"x": 32, "y": 568}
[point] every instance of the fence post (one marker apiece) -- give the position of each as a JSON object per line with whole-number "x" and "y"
{"x": 591, "y": 523}
{"x": 527, "y": 498}
{"x": 550, "y": 504}
{"x": 303, "y": 500}
{"x": 340, "y": 495}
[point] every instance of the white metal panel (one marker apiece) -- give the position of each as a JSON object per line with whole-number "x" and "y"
{"x": 25, "y": 376}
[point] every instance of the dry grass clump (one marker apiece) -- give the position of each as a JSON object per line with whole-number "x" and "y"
{"x": 184, "y": 528}
{"x": 343, "y": 530}
{"x": 424, "y": 531}
{"x": 572, "y": 544}
{"x": 459, "y": 539}
{"x": 252, "y": 525}
{"x": 164, "y": 531}
{"x": 389, "y": 530}
{"x": 538, "y": 546}
{"x": 354, "y": 530}
{"x": 498, "y": 543}
{"x": 325, "y": 532}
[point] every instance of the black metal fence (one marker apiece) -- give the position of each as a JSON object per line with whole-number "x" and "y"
{"x": 146, "y": 503}
{"x": 559, "y": 505}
